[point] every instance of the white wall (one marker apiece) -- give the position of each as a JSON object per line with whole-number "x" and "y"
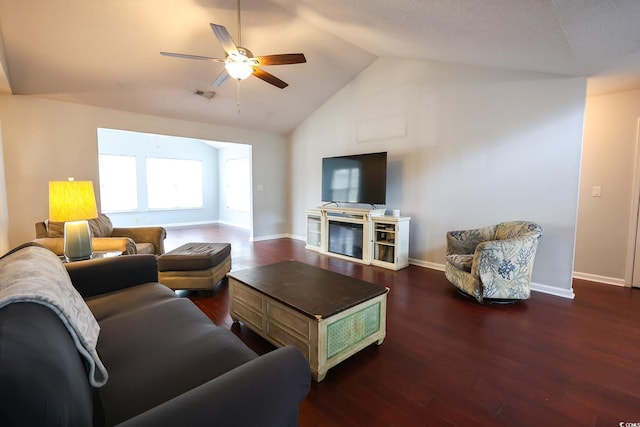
{"x": 467, "y": 147}
{"x": 611, "y": 132}
{"x": 226, "y": 215}
{"x": 4, "y": 211}
{"x": 269, "y": 180}
{"x": 47, "y": 140}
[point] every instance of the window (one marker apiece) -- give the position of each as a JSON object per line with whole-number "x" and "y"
{"x": 174, "y": 183}
{"x": 118, "y": 184}
{"x": 238, "y": 184}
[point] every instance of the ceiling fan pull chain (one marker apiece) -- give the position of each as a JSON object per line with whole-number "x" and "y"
{"x": 238, "y": 93}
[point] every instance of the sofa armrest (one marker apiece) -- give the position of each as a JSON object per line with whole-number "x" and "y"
{"x": 99, "y": 276}
{"x": 121, "y": 244}
{"x": 54, "y": 244}
{"x": 263, "y": 392}
{"x": 505, "y": 266}
{"x": 153, "y": 235}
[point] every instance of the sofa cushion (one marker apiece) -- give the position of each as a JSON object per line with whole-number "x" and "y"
{"x": 55, "y": 229}
{"x": 194, "y": 256}
{"x": 35, "y": 345}
{"x": 100, "y": 227}
{"x": 145, "y": 248}
{"x": 145, "y": 333}
{"x": 461, "y": 261}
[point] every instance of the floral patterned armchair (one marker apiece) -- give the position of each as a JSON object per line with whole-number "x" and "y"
{"x": 493, "y": 263}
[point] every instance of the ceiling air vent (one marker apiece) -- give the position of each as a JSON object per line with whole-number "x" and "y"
{"x": 206, "y": 94}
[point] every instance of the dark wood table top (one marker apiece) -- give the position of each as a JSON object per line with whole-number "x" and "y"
{"x": 310, "y": 290}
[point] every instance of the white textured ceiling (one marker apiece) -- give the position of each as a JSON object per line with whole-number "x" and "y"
{"x": 106, "y": 53}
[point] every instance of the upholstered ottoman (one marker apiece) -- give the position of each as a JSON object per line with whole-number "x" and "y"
{"x": 195, "y": 265}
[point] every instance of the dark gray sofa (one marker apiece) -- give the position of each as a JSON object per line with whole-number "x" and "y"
{"x": 168, "y": 364}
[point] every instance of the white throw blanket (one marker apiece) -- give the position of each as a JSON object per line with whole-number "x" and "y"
{"x": 35, "y": 274}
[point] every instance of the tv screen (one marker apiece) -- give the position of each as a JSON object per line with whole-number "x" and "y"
{"x": 360, "y": 178}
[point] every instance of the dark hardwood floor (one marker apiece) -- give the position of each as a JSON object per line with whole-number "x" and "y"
{"x": 449, "y": 361}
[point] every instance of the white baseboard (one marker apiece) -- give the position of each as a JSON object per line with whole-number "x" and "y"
{"x": 231, "y": 224}
{"x": 426, "y": 264}
{"x": 600, "y": 279}
{"x": 552, "y": 290}
{"x": 182, "y": 224}
{"x": 537, "y": 287}
{"x": 271, "y": 237}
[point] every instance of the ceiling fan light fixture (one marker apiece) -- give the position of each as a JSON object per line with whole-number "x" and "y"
{"x": 238, "y": 67}
{"x": 240, "y": 62}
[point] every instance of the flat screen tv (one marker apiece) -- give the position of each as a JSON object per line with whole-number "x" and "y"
{"x": 360, "y": 178}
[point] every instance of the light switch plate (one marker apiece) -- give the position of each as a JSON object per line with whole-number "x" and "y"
{"x": 596, "y": 191}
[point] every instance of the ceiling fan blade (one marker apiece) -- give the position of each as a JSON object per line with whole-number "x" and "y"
{"x": 184, "y": 55}
{"x": 269, "y": 78}
{"x": 221, "y": 79}
{"x": 282, "y": 59}
{"x": 225, "y": 39}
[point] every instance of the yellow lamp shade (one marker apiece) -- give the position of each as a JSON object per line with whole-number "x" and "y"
{"x": 71, "y": 201}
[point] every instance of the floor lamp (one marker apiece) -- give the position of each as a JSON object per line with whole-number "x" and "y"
{"x": 73, "y": 202}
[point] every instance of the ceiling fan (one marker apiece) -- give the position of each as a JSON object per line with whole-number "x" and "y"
{"x": 240, "y": 62}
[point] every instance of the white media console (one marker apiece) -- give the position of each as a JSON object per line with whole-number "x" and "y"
{"x": 367, "y": 236}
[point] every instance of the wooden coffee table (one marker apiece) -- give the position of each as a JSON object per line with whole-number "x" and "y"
{"x": 326, "y": 315}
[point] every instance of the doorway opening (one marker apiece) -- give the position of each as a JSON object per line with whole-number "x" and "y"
{"x": 151, "y": 179}
{"x": 633, "y": 258}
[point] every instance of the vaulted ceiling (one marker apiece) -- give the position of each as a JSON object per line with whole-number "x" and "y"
{"x": 106, "y": 53}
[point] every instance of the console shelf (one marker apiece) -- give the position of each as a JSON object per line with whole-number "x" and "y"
{"x": 390, "y": 242}
{"x": 362, "y": 235}
{"x": 314, "y": 229}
